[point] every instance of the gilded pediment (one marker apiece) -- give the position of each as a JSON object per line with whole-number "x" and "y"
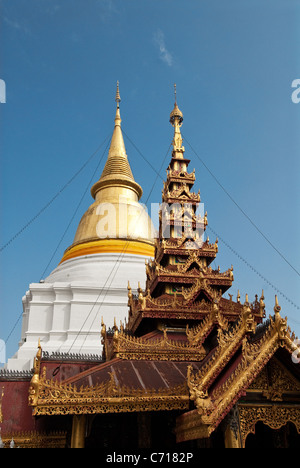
{"x": 275, "y": 380}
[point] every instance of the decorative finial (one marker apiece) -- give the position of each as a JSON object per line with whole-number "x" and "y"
{"x": 262, "y": 304}
{"x": 103, "y": 329}
{"x": 277, "y": 307}
{"x": 34, "y": 384}
{"x": 176, "y": 119}
{"x": 118, "y": 98}
{"x": 176, "y": 116}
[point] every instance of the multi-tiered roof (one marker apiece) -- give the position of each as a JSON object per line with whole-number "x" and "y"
{"x": 182, "y": 288}
{"x": 185, "y": 347}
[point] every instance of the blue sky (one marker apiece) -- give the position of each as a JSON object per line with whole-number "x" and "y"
{"x": 233, "y": 63}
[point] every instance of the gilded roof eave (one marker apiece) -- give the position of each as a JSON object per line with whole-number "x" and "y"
{"x": 122, "y": 385}
{"x": 108, "y": 394}
{"x": 214, "y": 399}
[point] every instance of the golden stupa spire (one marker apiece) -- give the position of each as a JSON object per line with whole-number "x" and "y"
{"x": 118, "y": 99}
{"x": 176, "y": 119}
{"x": 117, "y": 171}
{"x": 118, "y": 119}
{"x": 116, "y": 222}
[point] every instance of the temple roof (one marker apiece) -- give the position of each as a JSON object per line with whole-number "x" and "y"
{"x": 184, "y": 347}
{"x": 138, "y": 375}
{"x": 231, "y": 369}
{"x": 215, "y": 383}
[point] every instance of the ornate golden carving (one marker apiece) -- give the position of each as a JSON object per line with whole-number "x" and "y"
{"x": 261, "y": 382}
{"x": 34, "y": 384}
{"x": 190, "y": 427}
{"x": 214, "y": 317}
{"x": 228, "y": 341}
{"x": 194, "y": 257}
{"x": 154, "y": 269}
{"x": 274, "y": 416}
{"x": 274, "y": 381}
{"x": 51, "y": 397}
{"x": 34, "y": 439}
{"x": 179, "y": 175}
{"x": 190, "y": 294}
{"x": 182, "y": 194}
{"x": 254, "y": 357}
{"x": 61, "y": 399}
{"x": 161, "y": 348}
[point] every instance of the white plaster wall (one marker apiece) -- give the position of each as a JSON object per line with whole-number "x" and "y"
{"x": 65, "y": 311}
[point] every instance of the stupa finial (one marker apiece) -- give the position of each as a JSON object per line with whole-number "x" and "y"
{"x": 118, "y": 98}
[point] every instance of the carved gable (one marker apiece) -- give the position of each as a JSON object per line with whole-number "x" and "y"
{"x": 274, "y": 381}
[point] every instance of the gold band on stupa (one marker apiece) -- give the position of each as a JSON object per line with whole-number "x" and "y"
{"x": 101, "y": 246}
